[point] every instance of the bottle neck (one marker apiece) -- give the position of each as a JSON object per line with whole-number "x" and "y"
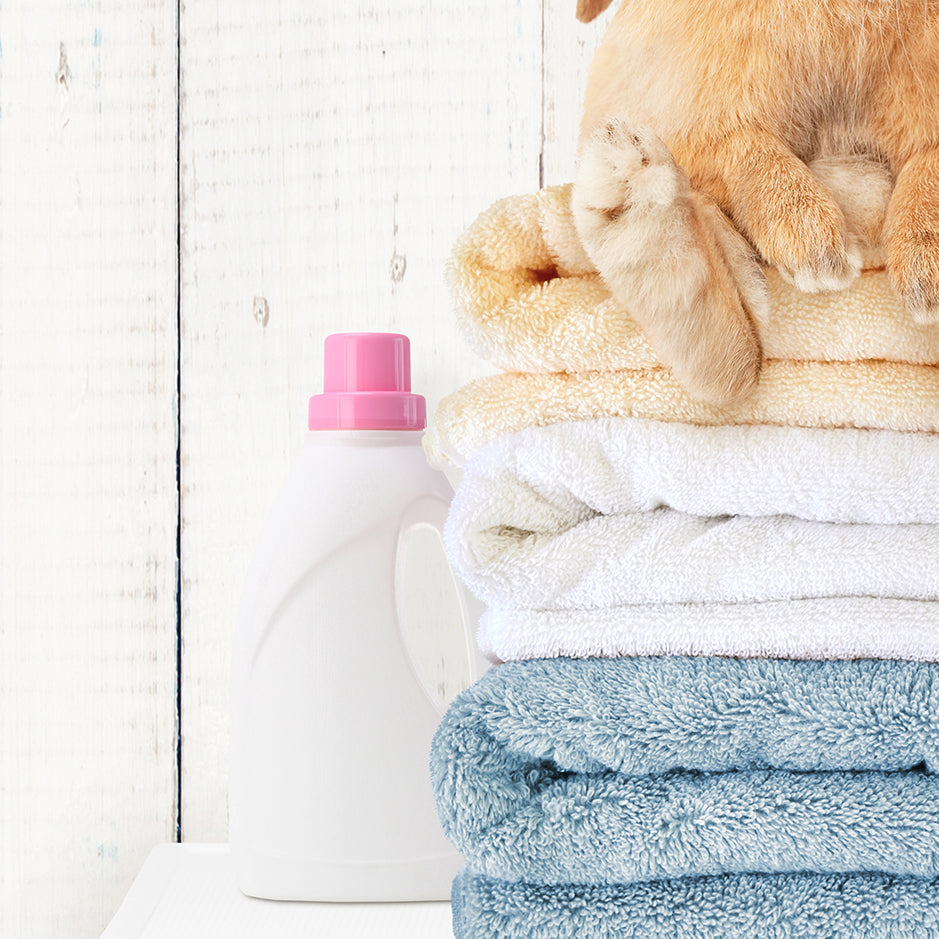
{"x": 365, "y": 438}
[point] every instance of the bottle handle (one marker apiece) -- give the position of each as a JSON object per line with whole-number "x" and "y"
{"x": 431, "y": 511}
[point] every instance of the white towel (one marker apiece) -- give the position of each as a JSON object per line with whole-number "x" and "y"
{"x": 829, "y": 628}
{"x": 604, "y": 514}
{"x": 624, "y": 465}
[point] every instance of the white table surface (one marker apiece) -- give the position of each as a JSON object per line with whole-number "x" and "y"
{"x": 187, "y": 891}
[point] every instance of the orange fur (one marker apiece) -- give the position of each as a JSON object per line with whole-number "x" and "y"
{"x": 588, "y": 10}
{"x": 745, "y": 95}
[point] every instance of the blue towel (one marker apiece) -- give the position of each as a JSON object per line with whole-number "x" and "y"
{"x": 617, "y": 771}
{"x": 732, "y": 906}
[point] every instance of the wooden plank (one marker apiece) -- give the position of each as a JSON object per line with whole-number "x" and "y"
{"x": 87, "y": 461}
{"x": 332, "y": 153}
{"x": 569, "y": 49}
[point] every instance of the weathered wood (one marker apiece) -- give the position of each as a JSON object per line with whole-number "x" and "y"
{"x": 87, "y": 456}
{"x": 569, "y": 49}
{"x": 332, "y": 153}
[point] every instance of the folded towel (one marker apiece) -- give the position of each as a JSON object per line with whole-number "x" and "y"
{"x": 874, "y": 395}
{"x": 529, "y": 299}
{"x": 828, "y": 628}
{"x": 606, "y": 771}
{"x": 547, "y": 479}
{"x": 733, "y": 906}
{"x": 631, "y": 537}
{"x": 578, "y": 516}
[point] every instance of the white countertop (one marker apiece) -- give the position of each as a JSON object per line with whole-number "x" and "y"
{"x": 187, "y": 891}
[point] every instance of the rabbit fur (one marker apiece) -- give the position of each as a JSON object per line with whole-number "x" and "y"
{"x": 721, "y": 134}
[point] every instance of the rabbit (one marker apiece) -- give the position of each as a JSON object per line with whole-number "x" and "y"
{"x": 719, "y": 134}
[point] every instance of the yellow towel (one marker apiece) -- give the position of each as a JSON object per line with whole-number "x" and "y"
{"x": 529, "y": 299}
{"x": 877, "y": 395}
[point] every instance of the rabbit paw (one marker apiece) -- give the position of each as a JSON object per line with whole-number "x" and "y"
{"x": 913, "y": 262}
{"x": 800, "y": 229}
{"x": 672, "y": 260}
{"x": 625, "y": 170}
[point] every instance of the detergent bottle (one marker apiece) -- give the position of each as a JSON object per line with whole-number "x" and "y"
{"x": 332, "y": 719}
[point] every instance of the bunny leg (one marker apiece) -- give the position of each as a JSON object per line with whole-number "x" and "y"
{"x": 911, "y": 235}
{"x": 671, "y": 258}
{"x": 779, "y": 204}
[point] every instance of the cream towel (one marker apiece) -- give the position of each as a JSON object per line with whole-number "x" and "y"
{"x": 559, "y": 520}
{"x": 874, "y": 395}
{"x": 529, "y": 299}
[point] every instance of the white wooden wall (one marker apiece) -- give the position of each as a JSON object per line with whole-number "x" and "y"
{"x": 327, "y": 154}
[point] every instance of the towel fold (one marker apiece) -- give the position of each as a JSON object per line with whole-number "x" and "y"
{"x": 827, "y": 628}
{"x": 614, "y": 771}
{"x": 760, "y": 756}
{"x": 530, "y": 302}
{"x": 549, "y": 478}
{"x": 872, "y": 395}
{"x": 579, "y": 517}
{"x": 529, "y": 299}
{"x": 733, "y": 906}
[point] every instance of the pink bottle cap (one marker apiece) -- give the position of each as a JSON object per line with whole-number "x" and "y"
{"x": 367, "y": 385}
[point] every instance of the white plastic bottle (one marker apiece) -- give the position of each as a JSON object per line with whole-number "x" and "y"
{"x": 330, "y": 795}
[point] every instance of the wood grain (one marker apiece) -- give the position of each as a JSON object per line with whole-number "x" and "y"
{"x": 87, "y": 456}
{"x": 569, "y": 48}
{"x": 331, "y": 155}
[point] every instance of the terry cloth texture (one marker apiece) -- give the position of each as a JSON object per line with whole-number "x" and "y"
{"x": 873, "y": 395}
{"x": 564, "y": 519}
{"x": 829, "y": 628}
{"x": 530, "y": 302}
{"x": 627, "y": 536}
{"x": 529, "y": 299}
{"x": 546, "y": 479}
{"x": 615, "y": 771}
{"x": 732, "y": 906}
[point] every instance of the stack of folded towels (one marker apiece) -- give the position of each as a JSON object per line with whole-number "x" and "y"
{"x": 715, "y": 712}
